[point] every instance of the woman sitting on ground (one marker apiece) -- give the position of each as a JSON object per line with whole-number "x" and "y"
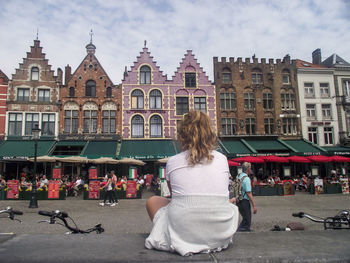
{"x": 199, "y": 217}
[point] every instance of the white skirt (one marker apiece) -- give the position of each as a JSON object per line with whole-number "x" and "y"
{"x": 194, "y": 224}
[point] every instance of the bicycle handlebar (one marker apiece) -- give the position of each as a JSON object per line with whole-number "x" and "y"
{"x": 56, "y": 213}
{"x": 300, "y": 214}
{"x": 12, "y": 213}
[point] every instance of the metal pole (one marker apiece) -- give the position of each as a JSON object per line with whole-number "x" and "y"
{"x": 33, "y": 199}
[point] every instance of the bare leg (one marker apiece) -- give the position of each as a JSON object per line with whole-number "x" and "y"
{"x": 154, "y": 203}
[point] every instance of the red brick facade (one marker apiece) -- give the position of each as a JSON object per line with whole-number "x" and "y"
{"x": 3, "y": 94}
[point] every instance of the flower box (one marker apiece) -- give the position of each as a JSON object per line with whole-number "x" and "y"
{"x": 40, "y": 195}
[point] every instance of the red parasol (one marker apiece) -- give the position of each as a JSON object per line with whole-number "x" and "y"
{"x": 274, "y": 159}
{"x": 232, "y": 163}
{"x": 298, "y": 159}
{"x": 319, "y": 159}
{"x": 249, "y": 159}
{"x": 340, "y": 159}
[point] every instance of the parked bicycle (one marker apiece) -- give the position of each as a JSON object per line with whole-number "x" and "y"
{"x": 62, "y": 216}
{"x": 340, "y": 221}
{"x": 11, "y": 213}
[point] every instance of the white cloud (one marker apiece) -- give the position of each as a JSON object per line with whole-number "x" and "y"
{"x": 269, "y": 29}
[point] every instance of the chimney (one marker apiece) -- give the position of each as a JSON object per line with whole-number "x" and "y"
{"x": 67, "y": 74}
{"x": 316, "y": 57}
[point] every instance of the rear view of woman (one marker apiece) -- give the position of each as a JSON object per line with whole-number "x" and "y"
{"x": 199, "y": 217}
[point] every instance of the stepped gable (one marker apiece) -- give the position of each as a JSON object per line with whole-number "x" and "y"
{"x": 34, "y": 57}
{"x": 89, "y": 59}
{"x": 145, "y": 58}
{"x": 3, "y": 78}
{"x": 189, "y": 63}
{"x": 254, "y": 60}
{"x": 335, "y": 61}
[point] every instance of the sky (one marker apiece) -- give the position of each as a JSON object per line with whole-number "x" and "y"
{"x": 220, "y": 28}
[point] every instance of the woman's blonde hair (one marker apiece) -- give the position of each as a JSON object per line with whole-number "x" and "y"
{"x": 197, "y": 135}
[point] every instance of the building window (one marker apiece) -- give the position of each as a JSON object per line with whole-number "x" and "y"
{"x": 137, "y": 127}
{"x": 228, "y": 101}
{"x": 346, "y": 87}
{"x": 257, "y": 77}
{"x": 108, "y": 121}
{"x": 44, "y": 95}
{"x": 70, "y": 121}
{"x": 15, "y": 124}
{"x": 286, "y": 77}
{"x": 90, "y": 88}
{"x": 249, "y": 101}
{"x": 155, "y": 99}
{"x": 181, "y": 105}
{"x": 326, "y": 111}
{"x": 34, "y": 74}
{"x": 226, "y": 77}
{"x": 145, "y": 75}
{"x": 311, "y": 111}
{"x": 348, "y": 122}
{"x": 90, "y": 121}
{"x": 22, "y": 94}
{"x": 290, "y": 126}
{"x": 32, "y": 119}
{"x": 48, "y": 124}
{"x": 109, "y": 92}
{"x": 312, "y": 134}
{"x": 71, "y": 92}
{"x": 328, "y": 135}
{"x": 267, "y": 101}
{"x": 137, "y": 99}
{"x": 228, "y": 126}
{"x": 309, "y": 90}
{"x": 200, "y": 104}
{"x": 156, "y": 126}
{"x": 324, "y": 90}
{"x": 190, "y": 80}
{"x": 269, "y": 125}
{"x": 288, "y": 101}
{"x": 250, "y": 126}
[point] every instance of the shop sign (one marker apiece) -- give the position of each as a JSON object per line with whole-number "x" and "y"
{"x": 54, "y": 190}
{"x": 12, "y": 189}
{"x": 56, "y": 173}
{"x": 90, "y": 137}
{"x": 93, "y": 173}
{"x": 131, "y": 189}
{"x": 94, "y": 190}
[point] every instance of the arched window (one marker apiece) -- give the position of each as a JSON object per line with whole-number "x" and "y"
{"x": 71, "y": 92}
{"x": 137, "y": 127}
{"x": 90, "y": 88}
{"x": 34, "y": 74}
{"x": 156, "y": 126}
{"x": 137, "y": 99}
{"x": 155, "y": 99}
{"x": 257, "y": 77}
{"x": 109, "y": 92}
{"x": 145, "y": 75}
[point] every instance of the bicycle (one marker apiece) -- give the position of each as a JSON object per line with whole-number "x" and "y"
{"x": 62, "y": 216}
{"x": 12, "y": 213}
{"x": 340, "y": 221}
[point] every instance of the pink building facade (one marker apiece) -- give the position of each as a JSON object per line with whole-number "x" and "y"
{"x": 3, "y": 95}
{"x": 153, "y": 105}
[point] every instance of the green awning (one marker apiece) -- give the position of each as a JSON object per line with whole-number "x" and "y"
{"x": 337, "y": 150}
{"x": 267, "y": 146}
{"x": 68, "y": 148}
{"x": 71, "y": 143}
{"x": 235, "y": 148}
{"x": 22, "y": 150}
{"x": 302, "y": 147}
{"x": 97, "y": 149}
{"x": 147, "y": 150}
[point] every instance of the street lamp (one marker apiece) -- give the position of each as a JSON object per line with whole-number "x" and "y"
{"x": 36, "y": 135}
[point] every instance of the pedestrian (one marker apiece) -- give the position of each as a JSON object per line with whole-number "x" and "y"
{"x": 244, "y": 205}
{"x": 108, "y": 192}
{"x": 114, "y": 185}
{"x": 199, "y": 217}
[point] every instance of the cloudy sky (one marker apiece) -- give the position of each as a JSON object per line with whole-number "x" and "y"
{"x": 222, "y": 28}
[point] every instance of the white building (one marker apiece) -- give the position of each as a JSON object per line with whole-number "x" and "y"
{"x": 318, "y": 109}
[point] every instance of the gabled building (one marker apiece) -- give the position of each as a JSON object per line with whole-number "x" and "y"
{"x": 32, "y": 97}
{"x": 3, "y": 95}
{"x": 341, "y": 70}
{"x": 318, "y": 109}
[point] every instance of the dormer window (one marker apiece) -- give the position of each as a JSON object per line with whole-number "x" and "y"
{"x": 145, "y": 75}
{"x": 190, "y": 79}
{"x": 34, "y": 74}
{"x": 90, "y": 88}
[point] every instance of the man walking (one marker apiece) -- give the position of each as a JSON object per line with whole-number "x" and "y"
{"x": 244, "y": 205}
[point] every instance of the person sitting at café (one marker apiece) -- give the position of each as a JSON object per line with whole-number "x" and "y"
{"x": 2, "y": 183}
{"x": 24, "y": 184}
{"x": 141, "y": 181}
{"x": 270, "y": 180}
{"x": 277, "y": 179}
{"x": 44, "y": 182}
{"x": 303, "y": 184}
{"x": 78, "y": 186}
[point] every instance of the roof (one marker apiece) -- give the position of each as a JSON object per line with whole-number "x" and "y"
{"x": 335, "y": 60}
{"x": 304, "y": 64}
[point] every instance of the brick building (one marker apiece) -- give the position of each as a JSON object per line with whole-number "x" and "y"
{"x": 3, "y": 94}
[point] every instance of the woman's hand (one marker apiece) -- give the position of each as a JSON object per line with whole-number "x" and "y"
{"x": 233, "y": 200}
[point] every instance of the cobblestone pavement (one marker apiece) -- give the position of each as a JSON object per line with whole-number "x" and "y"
{"x": 130, "y": 216}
